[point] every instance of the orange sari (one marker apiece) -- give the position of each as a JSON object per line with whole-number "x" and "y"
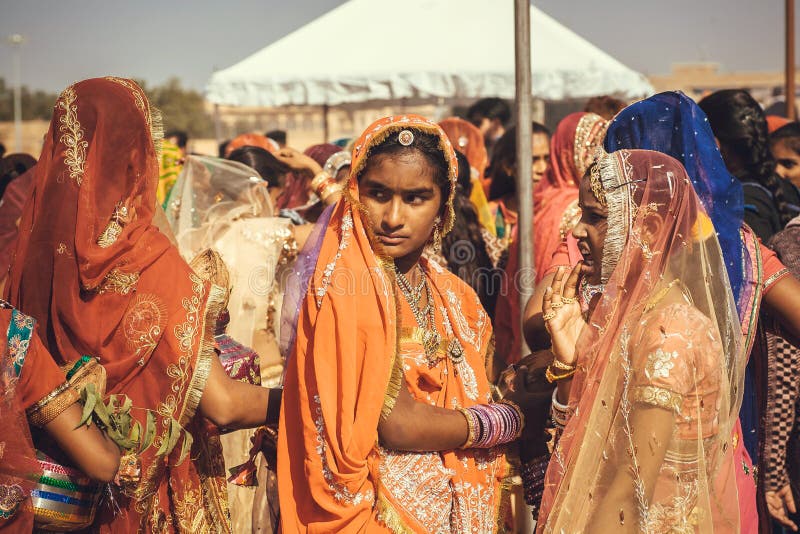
{"x": 101, "y": 279}
{"x": 356, "y": 346}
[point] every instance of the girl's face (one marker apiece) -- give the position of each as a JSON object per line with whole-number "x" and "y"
{"x": 591, "y": 231}
{"x": 402, "y": 200}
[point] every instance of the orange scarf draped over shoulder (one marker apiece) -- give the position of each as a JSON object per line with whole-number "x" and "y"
{"x": 348, "y": 363}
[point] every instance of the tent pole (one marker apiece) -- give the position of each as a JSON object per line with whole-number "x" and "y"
{"x": 525, "y": 278}
{"x": 325, "y": 123}
{"x": 217, "y": 125}
{"x": 790, "y": 81}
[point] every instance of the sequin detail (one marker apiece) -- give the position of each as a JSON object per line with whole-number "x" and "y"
{"x": 347, "y": 226}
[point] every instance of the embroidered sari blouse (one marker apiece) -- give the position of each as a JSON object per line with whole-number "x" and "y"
{"x": 451, "y": 491}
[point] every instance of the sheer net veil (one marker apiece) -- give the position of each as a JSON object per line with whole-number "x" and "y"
{"x": 658, "y": 388}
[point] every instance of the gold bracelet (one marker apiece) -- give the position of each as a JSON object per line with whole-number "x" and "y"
{"x": 320, "y": 177}
{"x": 552, "y": 377}
{"x": 470, "y": 428}
{"x": 330, "y": 190}
{"x": 558, "y": 364}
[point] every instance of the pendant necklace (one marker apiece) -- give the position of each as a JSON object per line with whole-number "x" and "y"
{"x": 431, "y": 339}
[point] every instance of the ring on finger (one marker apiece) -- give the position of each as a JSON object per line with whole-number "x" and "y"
{"x": 548, "y": 316}
{"x": 568, "y": 300}
{"x": 557, "y": 305}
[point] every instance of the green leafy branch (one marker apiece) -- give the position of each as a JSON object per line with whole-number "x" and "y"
{"x": 113, "y": 416}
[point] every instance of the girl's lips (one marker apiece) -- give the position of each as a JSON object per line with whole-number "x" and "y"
{"x": 391, "y": 240}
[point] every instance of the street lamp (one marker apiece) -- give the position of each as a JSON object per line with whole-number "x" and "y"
{"x": 16, "y": 40}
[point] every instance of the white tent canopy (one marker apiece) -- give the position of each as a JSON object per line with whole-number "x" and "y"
{"x": 367, "y": 50}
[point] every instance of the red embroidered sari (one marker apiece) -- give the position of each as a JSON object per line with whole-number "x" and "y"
{"x": 100, "y": 279}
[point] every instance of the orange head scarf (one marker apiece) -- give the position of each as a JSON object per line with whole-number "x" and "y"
{"x": 251, "y": 139}
{"x": 344, "y": 370}
{"x": 102, "y": 280}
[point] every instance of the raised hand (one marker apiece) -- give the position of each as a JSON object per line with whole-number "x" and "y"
{"x": 562, "y": 314}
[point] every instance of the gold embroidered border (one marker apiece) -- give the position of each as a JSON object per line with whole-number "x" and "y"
{"x": 657, "y": 396}
{"x": 391, "y": 518}
{"x": 72, "y": 135}
{"x": 217, "y": 297}
{"x": 52, "y": 405}
{"x": 774, "y": 278}
{"x": 396, "y": 374}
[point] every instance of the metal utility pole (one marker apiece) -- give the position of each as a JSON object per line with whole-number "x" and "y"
{"x": 790, "y": 111}
{"x": 16, "y": 40}
{"x": 522, "y": 47}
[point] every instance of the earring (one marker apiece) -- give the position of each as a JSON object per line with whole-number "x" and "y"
{"x": 437, "y": 235}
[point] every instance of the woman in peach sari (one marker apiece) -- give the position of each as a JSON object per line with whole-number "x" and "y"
{"x": 387, "y": 423}
{"x": 648, "y": 365}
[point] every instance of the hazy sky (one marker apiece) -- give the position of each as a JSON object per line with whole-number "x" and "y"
{"x": 69, "y": 40}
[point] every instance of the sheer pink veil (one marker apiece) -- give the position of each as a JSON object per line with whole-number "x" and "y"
{"x": 664, "y": 340}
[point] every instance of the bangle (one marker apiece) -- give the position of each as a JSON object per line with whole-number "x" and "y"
{"x": 273, "y": 406}
{"x": 533, "y": 474}
{"x": 559, "y": 413}
{"x": 558, "y": 364}
{"x": 552, "y": 377}
{"x": 320, "y": 177}
{"x": 470, "y": 428}
{"x": 329, "y": 190}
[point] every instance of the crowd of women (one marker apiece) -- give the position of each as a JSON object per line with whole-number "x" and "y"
{"x": 331, "y": 340}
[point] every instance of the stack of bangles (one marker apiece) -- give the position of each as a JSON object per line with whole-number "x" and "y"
{"x": 325, "y": 185}
{"x": 492, "y": 424}
{"x": 562, "y": 371}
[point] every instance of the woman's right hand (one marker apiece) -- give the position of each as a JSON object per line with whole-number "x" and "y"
{"x": 562, "y": 312}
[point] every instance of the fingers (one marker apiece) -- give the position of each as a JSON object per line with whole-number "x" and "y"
{"x": 788, "y": 499}
{"x": 547, "y": 301}
{"x": 571, "y": 285}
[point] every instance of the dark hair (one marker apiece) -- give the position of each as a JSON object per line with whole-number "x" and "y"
{"x": 2, "y": 149}
{"x": 222, "y": 148}
{"x": 606, "y": 106}
{"x": 425, "y": 143}
{"x": 279, "y": 136}
{"x": 265, "y": 164}
{"x": 489, "y": 108}
{"x": 789, "y": 133}
{"x": 181, "y": 137}
{"x": 504, "y": 155}
{"x": 739, "y": 123}
{"x": 539, "y": 128}
{"x": 464, "y": 247}
{"x": 12, "y": 167}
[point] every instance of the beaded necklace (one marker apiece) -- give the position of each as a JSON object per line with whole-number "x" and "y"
{"x": 431, "y": 339}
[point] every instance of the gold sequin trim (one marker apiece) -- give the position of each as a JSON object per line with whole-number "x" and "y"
{"x": 119, "y": 282}
{"x": 774, "y": 278}
{"x": 72, "y": 135}
{"x": 656, "y": 396}
{"x": 52, "y": 405}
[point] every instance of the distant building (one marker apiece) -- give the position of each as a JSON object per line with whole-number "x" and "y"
{"x": 699, "y": 79}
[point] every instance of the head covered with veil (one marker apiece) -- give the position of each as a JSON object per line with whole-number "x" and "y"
{"x": 674, "y": 124}
{"x": 657, "y": 388}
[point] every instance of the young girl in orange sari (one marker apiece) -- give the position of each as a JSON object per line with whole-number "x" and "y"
{"x": 387, "y": 422}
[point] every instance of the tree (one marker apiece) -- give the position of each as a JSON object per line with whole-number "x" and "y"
{"x": 182, "y": 109}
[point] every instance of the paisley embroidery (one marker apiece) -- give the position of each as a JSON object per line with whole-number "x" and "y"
{"x": 419, "y": 484}
{"x": 119, "y": 282}
{"x": 465, "y": 332}
{"x": 143, "y": 324}
{"x": 11, "y": 496}
{"x": 72, "y": 135}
